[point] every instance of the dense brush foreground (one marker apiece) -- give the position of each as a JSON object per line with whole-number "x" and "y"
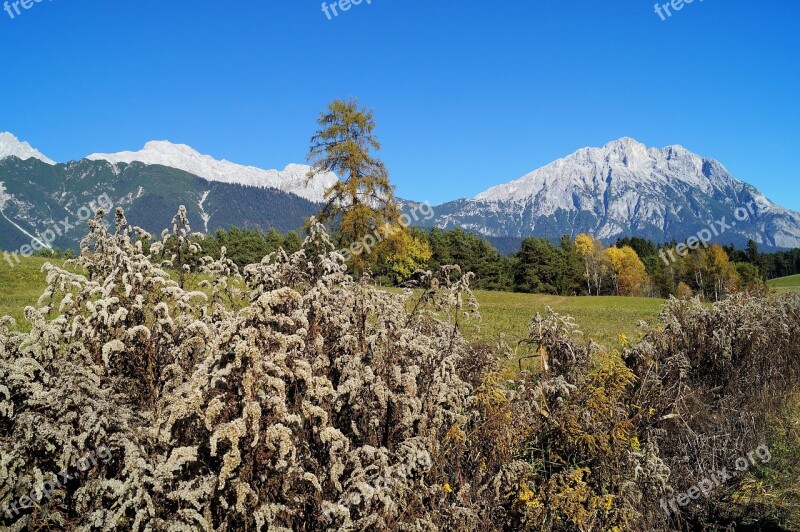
{"x": 292, "y": 397}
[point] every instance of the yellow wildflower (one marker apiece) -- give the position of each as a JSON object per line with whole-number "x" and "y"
{"x": 623, "y": 339}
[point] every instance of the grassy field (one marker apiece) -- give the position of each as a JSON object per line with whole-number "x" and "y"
{"x": 785, "y": 284}
{"x": 21, "y": 286}
{"x": 602, "y": 319}
{"x": 503, "y": 314}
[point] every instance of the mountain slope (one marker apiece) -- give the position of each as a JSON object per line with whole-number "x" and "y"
{"x": 292, "y": 179}
{"x": 625, "y": 189}
{"x": 35, "y": 197}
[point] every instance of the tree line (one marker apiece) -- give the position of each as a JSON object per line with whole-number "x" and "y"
{"x": 581, "y": 266}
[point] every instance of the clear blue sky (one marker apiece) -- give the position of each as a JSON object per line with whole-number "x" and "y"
{"x": 467, "y": 93}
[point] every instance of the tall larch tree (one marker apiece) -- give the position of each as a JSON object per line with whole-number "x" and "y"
{"x": 362, "y": 202}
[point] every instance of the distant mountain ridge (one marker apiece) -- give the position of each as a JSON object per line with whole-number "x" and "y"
{"x": 11, "y": 146}
{"x": 293, "y": 179}
{"x": 35, "y": 196}
{"x": 36, "y": 193}
{"x": 624, "y": 189}
{"x": 621, "y": 189}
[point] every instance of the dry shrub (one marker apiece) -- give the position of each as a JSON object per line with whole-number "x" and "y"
{"x": 291, "y": 397}
{"x": 596, "y": 440}
{"x": 708, "y": 383}
{"x": 566, "y": 436}
{"x": 319, "y": 403}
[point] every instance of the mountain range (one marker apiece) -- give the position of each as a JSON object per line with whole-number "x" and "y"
{"x": 626, "y": 189}
{"x": 621, "y": 189}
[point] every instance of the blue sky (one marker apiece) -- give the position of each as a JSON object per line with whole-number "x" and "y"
{"x": 467, "y": 94}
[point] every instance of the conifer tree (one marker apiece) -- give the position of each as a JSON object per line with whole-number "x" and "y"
{"x": 362, "y": 202}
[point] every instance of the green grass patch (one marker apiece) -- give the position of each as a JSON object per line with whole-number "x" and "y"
{"x": 22, "y": 285}
{"x": 506, "y": 315}
{"x": 602, "y": 319}
{"x": 785, "y": 284}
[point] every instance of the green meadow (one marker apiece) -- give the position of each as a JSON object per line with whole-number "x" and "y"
{"x": 603, "y": 319}
{"x": 504, "y": 315}
{"x": 785, "y": 284}
{"x": 21, "y": 286}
